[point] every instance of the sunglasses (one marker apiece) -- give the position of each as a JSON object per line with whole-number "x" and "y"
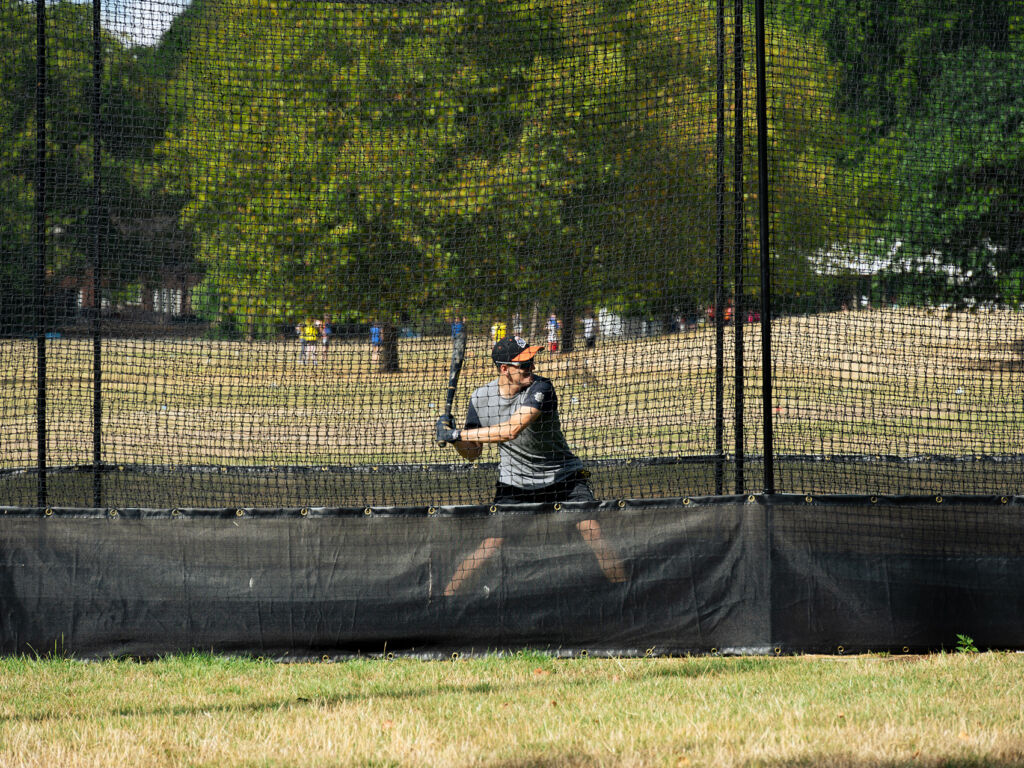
{"x": 524, "y": 367}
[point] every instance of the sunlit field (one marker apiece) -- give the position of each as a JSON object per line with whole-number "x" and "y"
{"x": 893, "y": 382}
{"x": 888, "y": 382}
{"x": 525, "y": 710}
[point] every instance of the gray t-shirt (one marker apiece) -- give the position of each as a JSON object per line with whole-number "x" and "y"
{"x": 539, "y": 455}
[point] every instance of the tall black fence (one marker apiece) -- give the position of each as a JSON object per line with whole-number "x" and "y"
{"x": 772, "y": 251}
{"x": 768, "y": 247}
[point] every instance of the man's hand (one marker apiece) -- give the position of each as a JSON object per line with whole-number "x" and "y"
{"x": 445, "y": 430}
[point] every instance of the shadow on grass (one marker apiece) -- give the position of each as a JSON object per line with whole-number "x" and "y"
{"x": 685, "y": 669}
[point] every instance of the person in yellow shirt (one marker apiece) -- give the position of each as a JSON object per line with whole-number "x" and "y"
{"x": 309, "y": 337}
{"x": 498, "y": 332}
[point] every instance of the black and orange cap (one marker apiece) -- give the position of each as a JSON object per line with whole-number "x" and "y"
{"x": 513, "y": 349}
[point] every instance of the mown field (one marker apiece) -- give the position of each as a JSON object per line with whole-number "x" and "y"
{"x": 948, "y": 709}
{"x": 894, "y": 382}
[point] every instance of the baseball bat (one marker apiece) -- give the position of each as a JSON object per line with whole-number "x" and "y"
{"x": 458, "y": 356}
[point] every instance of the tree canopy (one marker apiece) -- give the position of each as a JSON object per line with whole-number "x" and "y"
{"x": 504, "y": 153}
{"x": 405, "y": 160}
{"x": 136, "y": 220}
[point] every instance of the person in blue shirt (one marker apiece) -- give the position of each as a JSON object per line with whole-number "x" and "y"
{"x": 458, "y": 326}
{"x": 375, "y": 341}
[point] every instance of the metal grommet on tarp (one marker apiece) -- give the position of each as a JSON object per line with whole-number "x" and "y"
{"x": 840, "y": 650}
{"x": 175, "y": 512}
{"x": 874, "y": 499}
{"x": 558, "y": 506}
{"x": 367, "y": 512}
{"x": 751, "y": 498}
{"x": 938, "y": 499}
{"x": 808, "y": 499}
{"x": 686, "y": 502}
{"x": 777, "y": 650}
{"x": 112, "y": 512}
{"x": 239, "y": 513}
{"x": 494, "y": 508}
{"x": 48, "y": 512}
{"x": 622, "y": 503}
{"x": 584, "y": 653}
{"x": 304, "y": 512}
{"x": 431, "y": 510}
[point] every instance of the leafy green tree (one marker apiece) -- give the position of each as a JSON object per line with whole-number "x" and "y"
{"x": 303, "y": 142}
{"x": 962, "y": 189}
{"x": 927, "y": 138}
{"x": 136, "y": 222}
{"x": 385, "y": 160}
{"x": 17, "y": 164}
{"x": 617, "y": 136}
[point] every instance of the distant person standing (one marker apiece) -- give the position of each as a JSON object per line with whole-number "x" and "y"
{"x": 553, "y": 328}
{"x": 517, "y": 324}
{"x": 498, "y": 332}
{"x": 376, "y": 337}
{"x": 589, "y": 330}
{"x": 326, "y": 331}
{"x": 309, "y": 335}
{"x": 458, "y": 326}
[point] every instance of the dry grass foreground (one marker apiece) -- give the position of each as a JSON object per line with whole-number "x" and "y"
{"x": 895, "y": 381}
{"x": 514, "y": 712}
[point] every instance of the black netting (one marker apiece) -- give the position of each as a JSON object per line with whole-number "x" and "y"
{"x": 759, "y": 574}
{"x": 191, "y": 192}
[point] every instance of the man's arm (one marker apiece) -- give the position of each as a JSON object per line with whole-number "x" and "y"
{"x": 471, "y": 441}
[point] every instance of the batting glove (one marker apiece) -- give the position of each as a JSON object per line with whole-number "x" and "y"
{"x": 445, "y": 430}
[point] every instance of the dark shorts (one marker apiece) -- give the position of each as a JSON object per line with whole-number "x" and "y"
{"x": 573, "y": 488}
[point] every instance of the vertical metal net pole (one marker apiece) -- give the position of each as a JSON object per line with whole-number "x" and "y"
{"x": 738, "y": 239}
{"x": 96, "y": 257}
{"x": 39, "y": 227}
{"x": 720, "y": 250}
{"x": 765, "y": 247}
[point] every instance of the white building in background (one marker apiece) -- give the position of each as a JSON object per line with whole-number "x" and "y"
{"x": 168, "y": 301}
{"x": 609, "y": 324}
{"x": 841, "y": 258}
{"x": 140, "y": 22}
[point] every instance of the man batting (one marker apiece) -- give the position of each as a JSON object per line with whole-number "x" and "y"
{"x": 519, "y": 412}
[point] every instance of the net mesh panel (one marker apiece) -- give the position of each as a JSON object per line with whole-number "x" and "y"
{"x": 899, "y": 283}
{"x": 266, "y": 168}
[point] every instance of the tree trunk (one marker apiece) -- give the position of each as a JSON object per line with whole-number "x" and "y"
{"x": 388, "y": 348}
